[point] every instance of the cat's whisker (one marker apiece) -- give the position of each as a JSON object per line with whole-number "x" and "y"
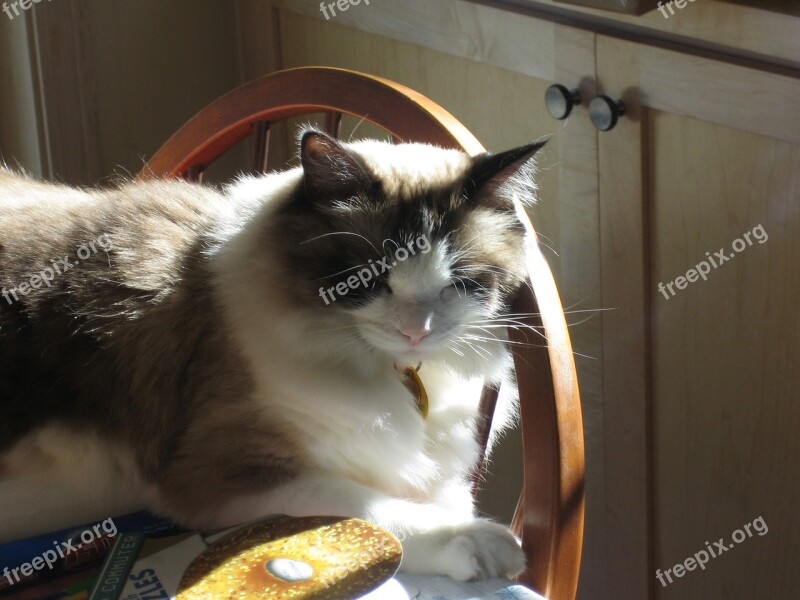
{"x": 513, "y": 323}
{"x": 582, "y": 321}
{"x": 504, "y": 325}
{"x": 529, "y": 345}
{"x": 352, "y": 133}
{"x": 475, "y": 282}
{"x": 514, "y": 342}
{"x": 482, "y": 328}
{"x": 594, "y": 312}
{"x": 504, "y": 320}
{"x": 383, "y": 244}
{"x": 461, "y": 342}
{"x": 313, "y": 331}
{"x": 479, "y": 338}
{"x": 512, "y": 316}
{"x": 475, "y": 349}
{"x": 524, "y": 314}
{"x": 505, "y": 328}
{"x": 467, "y": 250}
{"x": 462, "y": 284}
{"x": 358, "y": 235}
{"x": 480, "y": 350}
{"x": 456, "y": 351}
{"x": 340, "y": 272}
{"x": 548, "y": 246}
{"x": 518, "y": 325}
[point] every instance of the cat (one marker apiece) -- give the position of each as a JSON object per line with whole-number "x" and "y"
{"x": 217, "y": 355}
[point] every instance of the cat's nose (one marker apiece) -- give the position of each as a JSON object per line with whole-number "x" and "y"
{"x": 415, "y": 335}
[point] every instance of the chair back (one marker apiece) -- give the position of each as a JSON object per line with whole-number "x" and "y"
{"x": 550, "y": 511}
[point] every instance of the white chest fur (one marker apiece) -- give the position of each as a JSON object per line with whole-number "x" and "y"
{"x": 372, "y": 432}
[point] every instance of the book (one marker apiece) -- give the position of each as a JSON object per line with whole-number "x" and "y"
{"x": 39, "y": 567}
{"x": 76, "y": 585}
{"x": 119, "y": 562}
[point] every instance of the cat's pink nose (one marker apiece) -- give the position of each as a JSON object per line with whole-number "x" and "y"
{"x": 415, "y": 335}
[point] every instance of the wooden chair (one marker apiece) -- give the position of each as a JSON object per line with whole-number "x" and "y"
{"x": 549, "y": 516}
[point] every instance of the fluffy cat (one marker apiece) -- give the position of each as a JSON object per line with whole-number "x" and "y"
{"x": 217, "y": 356}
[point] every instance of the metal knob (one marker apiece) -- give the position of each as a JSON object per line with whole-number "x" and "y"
{"x": 605, "y": 112}
{"x": 559, "y": 101}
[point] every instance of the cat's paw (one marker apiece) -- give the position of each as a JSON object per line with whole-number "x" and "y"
{"x": 476, "y": 550}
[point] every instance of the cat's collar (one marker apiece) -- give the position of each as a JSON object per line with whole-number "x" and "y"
{"x": 413, "y": 383}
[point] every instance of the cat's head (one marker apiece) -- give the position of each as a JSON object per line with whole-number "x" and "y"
{"x": 418, "y": 249}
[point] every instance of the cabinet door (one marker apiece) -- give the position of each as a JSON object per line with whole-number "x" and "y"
{"x": 700, "y": 372}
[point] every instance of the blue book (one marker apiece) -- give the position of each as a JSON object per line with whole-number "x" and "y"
{"x": 51, "y": 555}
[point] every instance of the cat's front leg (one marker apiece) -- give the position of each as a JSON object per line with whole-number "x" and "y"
{"x": 436, "y": 539}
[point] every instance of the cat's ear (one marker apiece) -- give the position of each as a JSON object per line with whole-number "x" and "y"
{"x": 490, "y": 172}
{"x": 329, "y": 169}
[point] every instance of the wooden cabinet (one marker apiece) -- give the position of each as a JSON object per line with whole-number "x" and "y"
{"x": 706, "y": 170}
{"x": 633, "y": 7}
{"x": 690, "y": 401}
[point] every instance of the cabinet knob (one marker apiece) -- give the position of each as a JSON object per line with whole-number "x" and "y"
{"x": 559, "y": 101}
{"x": 605, "y": 112}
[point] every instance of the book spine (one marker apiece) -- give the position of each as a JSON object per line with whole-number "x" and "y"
{"x": 117, "y": 567}
{"x": 13, "y": 554}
